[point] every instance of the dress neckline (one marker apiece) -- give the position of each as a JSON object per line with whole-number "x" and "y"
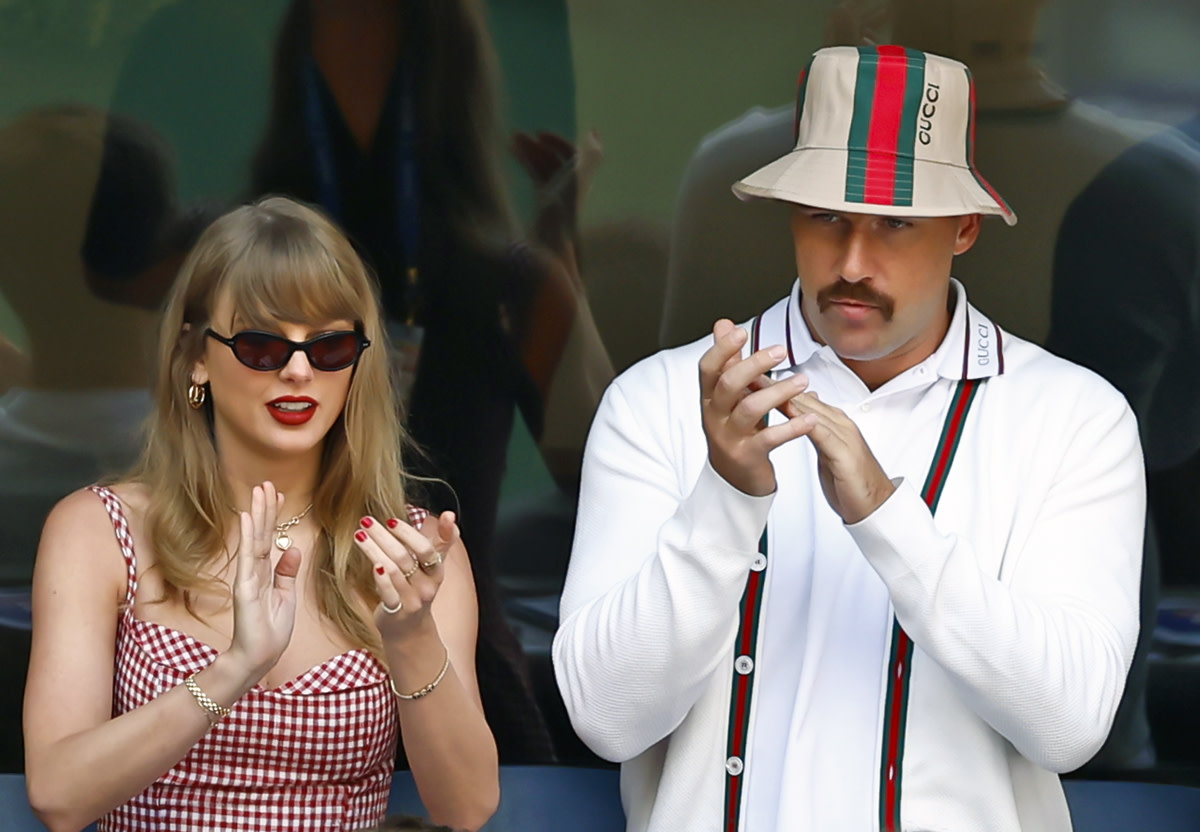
{"x": 203, "y": 650}
{"x": 299, "y": 682}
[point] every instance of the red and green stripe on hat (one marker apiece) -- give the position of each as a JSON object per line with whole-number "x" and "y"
{"x": 881, "y": 129}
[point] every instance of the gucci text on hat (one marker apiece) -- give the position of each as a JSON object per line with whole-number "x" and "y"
{"x": 882, "y": 130}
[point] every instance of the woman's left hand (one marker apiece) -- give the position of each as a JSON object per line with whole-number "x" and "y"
{"x": 408, "y": 570}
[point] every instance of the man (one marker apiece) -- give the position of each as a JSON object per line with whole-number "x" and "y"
{"x": 1079, "y": 174}
{"x": 879, "y": 569}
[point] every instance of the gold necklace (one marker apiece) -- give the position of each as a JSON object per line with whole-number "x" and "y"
{"x": 282, "y": 539}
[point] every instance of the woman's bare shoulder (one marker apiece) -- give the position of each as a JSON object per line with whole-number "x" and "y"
{"x": 78, "y": 544}
{"x": 85, "y": 510}
{"x": 134, "y": 496}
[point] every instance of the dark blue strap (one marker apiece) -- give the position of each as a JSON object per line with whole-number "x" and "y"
{"x": 408, "y": 181}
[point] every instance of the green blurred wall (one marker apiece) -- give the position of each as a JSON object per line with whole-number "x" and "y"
{"x": 654, "y": 76}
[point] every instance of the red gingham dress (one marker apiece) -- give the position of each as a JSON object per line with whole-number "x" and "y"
{"x": 316, "y": 753}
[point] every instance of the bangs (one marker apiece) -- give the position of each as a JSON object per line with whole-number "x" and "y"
{"x": 292, "y": 278}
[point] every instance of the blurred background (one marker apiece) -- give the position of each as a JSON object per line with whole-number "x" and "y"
{"x": 573, "y": 215}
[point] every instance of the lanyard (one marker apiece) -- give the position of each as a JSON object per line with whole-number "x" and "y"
{"x": 407, "y": 190}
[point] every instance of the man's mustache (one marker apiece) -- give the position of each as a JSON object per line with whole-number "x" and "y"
{"x": 860, "y": 292}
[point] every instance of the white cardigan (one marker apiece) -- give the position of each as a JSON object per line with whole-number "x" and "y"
{"x": 1021, "y": 595}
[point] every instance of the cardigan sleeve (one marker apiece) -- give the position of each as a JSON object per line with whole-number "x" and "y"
{"x": 1042, "y": 650}
{"x": 658, "y": 567}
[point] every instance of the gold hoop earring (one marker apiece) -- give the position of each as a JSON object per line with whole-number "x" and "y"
{"x": 196, "y": 394}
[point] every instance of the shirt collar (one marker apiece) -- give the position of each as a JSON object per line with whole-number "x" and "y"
{"x": 973, "y": 347}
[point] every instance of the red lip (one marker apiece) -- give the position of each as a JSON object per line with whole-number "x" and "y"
{"x": 292, "y": 417}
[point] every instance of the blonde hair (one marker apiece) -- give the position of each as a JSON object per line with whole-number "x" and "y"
{"x": 275, "y": 260}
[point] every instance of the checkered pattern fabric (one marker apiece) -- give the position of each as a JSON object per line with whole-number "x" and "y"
{"x": 314, "y": 754}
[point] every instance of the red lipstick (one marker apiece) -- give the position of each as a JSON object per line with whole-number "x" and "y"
{"x": 292, "y": 410}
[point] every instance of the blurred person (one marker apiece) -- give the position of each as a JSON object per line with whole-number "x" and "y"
{"x": 271, "y": 614}
{"x": 69, "y": 175}
{"x": 1137, "y": 223}
{"x": 78, "y": 411}
{"x": 137, "y": 232}
{"x": 384, "y": 113}
{"x": 1041, "y": 149}
{"x": 876, "y": 565}
{"x": 199, "y": 72}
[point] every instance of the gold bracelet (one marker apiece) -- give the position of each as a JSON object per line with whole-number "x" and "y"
{"x": 428, "y": 689}
{"x": 214, "y": 711}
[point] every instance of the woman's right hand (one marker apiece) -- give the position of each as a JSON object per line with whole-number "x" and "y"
{"x": 264, "y": 597}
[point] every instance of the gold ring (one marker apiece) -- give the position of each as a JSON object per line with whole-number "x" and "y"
{"x": 410, "y": 572}
{"x": 433, "y": 561}
{"x": 391, "y": 610}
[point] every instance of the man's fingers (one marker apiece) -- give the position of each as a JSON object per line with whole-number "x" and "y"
{"x": 809, "y": 402}
{"x": 723, "y": 326}
{"x": 732, "y": 384}
{"x": 831, "y": 431}
{"x": 727, "y": 343}
{"x": 773, "y": 436}
{"x": 750, "y": 411}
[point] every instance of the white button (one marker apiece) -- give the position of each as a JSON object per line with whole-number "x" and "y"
{"x": 734, "y": 766}
{"x": 759, "y": 563}
{"x": 865, "y": 407}
{"x": 743, "y": 664}
{"x": 920, "y": 371}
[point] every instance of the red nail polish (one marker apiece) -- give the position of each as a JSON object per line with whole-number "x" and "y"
{"x": 360, "y": 536}
{"x": 393, "y": 523}
{"x": 366, "y": 522}
{"x": 379, "y": 570}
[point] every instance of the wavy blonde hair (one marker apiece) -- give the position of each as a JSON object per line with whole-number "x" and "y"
{"x": 275, "y": 260}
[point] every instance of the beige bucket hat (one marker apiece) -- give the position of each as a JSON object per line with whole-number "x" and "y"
{"x": 882, "y": 130}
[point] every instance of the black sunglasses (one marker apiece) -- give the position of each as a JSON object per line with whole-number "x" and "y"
{"x": 267, "y": 351}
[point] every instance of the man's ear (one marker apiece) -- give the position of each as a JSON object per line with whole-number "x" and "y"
{"x": 969, "y": 226}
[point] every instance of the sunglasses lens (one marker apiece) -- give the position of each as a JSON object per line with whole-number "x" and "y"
{"x": 260, "y": 351}
{"x": 335, "y": 351}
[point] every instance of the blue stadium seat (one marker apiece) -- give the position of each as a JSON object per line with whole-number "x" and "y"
{"x": 539, "y": 799}
{"x": 14, "y": 805}
{"x": 1119, "y": 806}
{"x": 15, "y": 814}
{"x": 552, "y": 798}
{"x": 533, "y": 799}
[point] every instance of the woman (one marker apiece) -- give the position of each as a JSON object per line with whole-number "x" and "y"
{"x": 384, "y": 113}
{"x": 263, "y": 597}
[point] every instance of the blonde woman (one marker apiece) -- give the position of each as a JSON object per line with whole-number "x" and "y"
{"x": 269, "y": 615}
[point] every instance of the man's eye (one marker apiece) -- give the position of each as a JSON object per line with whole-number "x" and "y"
{"x": 896, "y": 222}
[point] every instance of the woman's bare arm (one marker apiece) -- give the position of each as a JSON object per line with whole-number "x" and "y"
{"x": 448, "y": 743}
{"x": 80, "y": 762}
